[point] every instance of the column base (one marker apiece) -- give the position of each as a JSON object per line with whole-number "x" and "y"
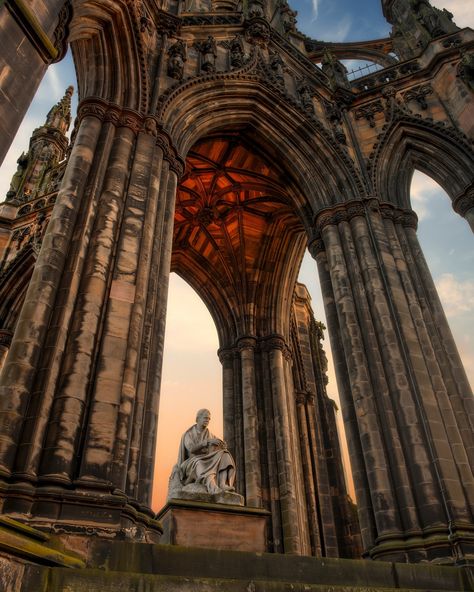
{"x": 435, "y": 545}
{"x": 215, "y": 526}
{"x": 79, "y": 512}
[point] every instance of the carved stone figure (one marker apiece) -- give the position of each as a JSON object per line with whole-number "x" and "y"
{"x": 204, "y": 465}
{"x": 236, "y": 48}
{"x": 276, "y": 65}
{"x": 17, "y": 178}
{"x": 176, "y": 60}
{"x": 256, "y": 9}
{"x": 208, "y": 51}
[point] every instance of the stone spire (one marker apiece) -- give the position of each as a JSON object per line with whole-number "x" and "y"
{"x": 415, "y": 24}
{"x": 59, "y": 116}
{"x": 48, "y": 145}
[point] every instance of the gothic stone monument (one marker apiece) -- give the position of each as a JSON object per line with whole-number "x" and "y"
{"x": 210, "y": 142}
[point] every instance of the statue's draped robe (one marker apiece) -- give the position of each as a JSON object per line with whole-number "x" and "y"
{"x": 202, "y": 468}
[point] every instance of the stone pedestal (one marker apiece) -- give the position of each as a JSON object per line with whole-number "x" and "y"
{"x": 217, "y": 526}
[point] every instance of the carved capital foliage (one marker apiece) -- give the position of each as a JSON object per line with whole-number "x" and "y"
{"x": 316, "y": 246}
{"x": 464, "y": 202}
{"x": 406, "y": 218}
{"x": 227, "y": 354}
{"x": 337, "y": 214}
{"x": 304, "y": 398}
{"x": 247, "y": 342}
{"x": 275, "y": 342}
{"x": 119, "y": 117}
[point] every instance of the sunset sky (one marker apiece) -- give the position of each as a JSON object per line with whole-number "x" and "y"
{"x": 192, "y": 374}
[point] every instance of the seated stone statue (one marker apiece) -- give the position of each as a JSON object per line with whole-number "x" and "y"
{"x": 205, "y": 469}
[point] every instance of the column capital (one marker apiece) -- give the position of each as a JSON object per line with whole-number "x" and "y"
{"x": 464, "y": 201}
{"x": 275, "y": 342}
{"x": 246, "y": 342}
{"x": 122, "y": 117}
{"x": 304, "y": 398}
{"x": 406, "y": 218}
{"x": 226, "y": 353}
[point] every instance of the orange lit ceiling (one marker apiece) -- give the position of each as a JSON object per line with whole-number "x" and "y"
{"x": 233, "y": 218}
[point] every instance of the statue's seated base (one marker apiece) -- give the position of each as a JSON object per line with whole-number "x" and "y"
{"x": 197, "y": 492}
{"x": 192, "y": 523}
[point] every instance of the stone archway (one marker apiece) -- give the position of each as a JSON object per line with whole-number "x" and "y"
{"x": 81, "y": 381}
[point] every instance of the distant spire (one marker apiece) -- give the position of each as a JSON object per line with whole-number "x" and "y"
{"x": 59, "y": 116}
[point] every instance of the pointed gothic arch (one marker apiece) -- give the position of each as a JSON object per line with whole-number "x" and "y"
{"x": 439, "y": 151}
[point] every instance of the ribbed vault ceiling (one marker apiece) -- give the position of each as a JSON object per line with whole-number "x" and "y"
{"x": 235, "y": 230}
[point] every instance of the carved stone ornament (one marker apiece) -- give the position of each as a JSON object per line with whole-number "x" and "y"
{"x": 236, "y": 50}
{"x": 258, "y": 32}
{"x": 208, "y": 53}
{"x": 276, "y": 65}
{"x": 419, "y": 95}
{"x": 369, "y": 111}
{"x": 61, "y": 31}
{"x": 256, "y": 9}
{"x": 305, "y": 94}
{"x": 466, "y": 69}
{"x": 176, "y": 60}
{"x": 464, "y": 202}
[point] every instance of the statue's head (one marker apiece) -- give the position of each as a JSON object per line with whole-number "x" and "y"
{"x": 203, "y": 417}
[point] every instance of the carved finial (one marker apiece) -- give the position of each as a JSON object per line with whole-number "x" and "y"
{"x": 59, "y": 116}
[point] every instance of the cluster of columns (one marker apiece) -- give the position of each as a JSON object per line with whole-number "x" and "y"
{"x": 78, "y": 402}
{"x": 271, "y": 428}
{"x": 407, "y": 403}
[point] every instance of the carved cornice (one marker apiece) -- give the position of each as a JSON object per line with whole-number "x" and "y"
{"x": 464, "y": 202}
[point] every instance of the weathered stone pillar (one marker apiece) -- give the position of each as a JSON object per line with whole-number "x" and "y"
{"x": 253, "y": 493}
{"x": 277, "y": 357}
{"x": 88, "y": 412}
{"x": 414, "y": 485}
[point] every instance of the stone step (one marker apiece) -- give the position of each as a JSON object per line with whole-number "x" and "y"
{"x": 88, "y": 580}
{"x": 216, "y": 565}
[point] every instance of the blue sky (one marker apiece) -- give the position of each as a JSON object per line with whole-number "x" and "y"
{"x": 445, "y": 237}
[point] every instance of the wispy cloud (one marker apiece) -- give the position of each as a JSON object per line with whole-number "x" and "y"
{"x": 315, "y": 4}
{"x": 423, "y": 190}
{"x": 456, "y": 295}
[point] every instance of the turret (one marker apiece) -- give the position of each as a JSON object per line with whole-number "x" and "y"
{"x": 48, "y": 146}
{"x": 415, "y": 24}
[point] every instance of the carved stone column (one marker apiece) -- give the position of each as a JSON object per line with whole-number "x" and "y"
{"x": 408, "y": 437}
{"x": 86, "y": 418}
{"x": 276, "y": 368}
{"x": 253, "y": 493}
